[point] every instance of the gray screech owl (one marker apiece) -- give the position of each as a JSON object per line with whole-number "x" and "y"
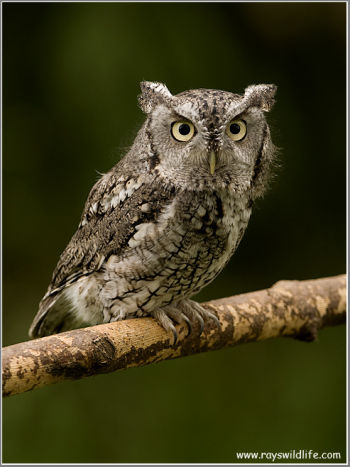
{"x": 164, "y": 221}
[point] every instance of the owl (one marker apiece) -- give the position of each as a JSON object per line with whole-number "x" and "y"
{"x": 165, "y": 220}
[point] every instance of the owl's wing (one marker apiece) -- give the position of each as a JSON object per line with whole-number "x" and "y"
{"x": 115, "y": 207}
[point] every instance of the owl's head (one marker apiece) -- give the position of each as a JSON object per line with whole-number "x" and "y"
{"x": 209, "y": 137}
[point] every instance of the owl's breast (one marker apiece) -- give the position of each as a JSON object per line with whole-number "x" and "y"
{"x": 216, "y": 218}
{"x": 175, "y": 257}
{"x": 212, "y": 225}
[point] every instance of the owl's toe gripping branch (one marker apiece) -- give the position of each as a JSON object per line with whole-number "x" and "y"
{"x": 182, "y": 311}
{"x": 164, "y": 318}
{"x": 200, "y": 313}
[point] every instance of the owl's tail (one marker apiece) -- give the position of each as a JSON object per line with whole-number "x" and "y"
{"x": 52, "y": 317}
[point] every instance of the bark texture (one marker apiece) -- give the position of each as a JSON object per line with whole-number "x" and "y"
{"x": 295, "y": 309}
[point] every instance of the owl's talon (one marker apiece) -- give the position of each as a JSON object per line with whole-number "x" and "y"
{"x": 188, "y": 322}
{"x": 201, "y": 323}
{"x": 194, "y": 311}
{"x": 174, "y": 335}
{"x": 161, "y": 316}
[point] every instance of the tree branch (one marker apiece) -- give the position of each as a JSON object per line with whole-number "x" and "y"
{"x": 295, "y": 309}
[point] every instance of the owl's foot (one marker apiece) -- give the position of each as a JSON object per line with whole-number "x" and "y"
{"x": 186, "y": 311}
{"x": 169, "y": 315}
{"x": 195, "y": 312}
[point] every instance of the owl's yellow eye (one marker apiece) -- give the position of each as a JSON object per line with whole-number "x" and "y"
{"x": 236, "y": 130}
{"x": 182, "y": 131}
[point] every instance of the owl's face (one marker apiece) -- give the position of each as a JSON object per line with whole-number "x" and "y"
{"x": 209, "y": 136}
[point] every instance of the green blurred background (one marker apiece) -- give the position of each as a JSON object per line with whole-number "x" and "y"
{"x": 71, "y": 75}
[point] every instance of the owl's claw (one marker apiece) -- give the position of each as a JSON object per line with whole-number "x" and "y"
{"x": 186, "y": 311}
{"x": 201, "y": 323}
{"x": 195, "y": 311}
{"x": 162, "y": 316}
{"x": 188, "y": 322}
{"x": 175, "y": 336}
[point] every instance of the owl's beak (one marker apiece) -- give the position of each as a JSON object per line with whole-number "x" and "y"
{"x": 212, "y": 162}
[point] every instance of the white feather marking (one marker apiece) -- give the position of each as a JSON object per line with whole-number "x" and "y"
{"x": 159, "y": 88}
{"x": 149, "y": 230}
{"x": 144, "y": 230}
{"x": 93, "y": 208}
{"x": 145, "y": 207}
{"x": 120, "y": 195}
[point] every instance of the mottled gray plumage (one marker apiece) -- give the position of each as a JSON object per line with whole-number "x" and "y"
{"x": 165, "y": 220}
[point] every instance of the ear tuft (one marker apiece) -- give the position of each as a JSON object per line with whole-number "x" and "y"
{"x": 261, "y": 95}
{"x": 153, "y": 94}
